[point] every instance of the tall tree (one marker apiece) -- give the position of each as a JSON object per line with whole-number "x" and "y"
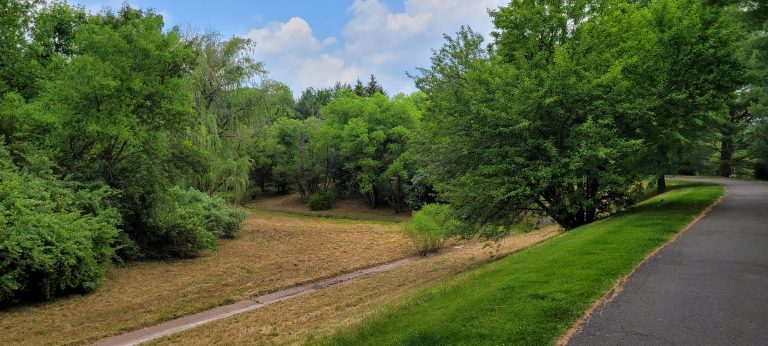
{"x": 687, "y": 80}
{"x": 533, "y": 125}
{"x": 373, "y": 87}
{"x": 17, "y": 71}
{"x": 360, "y": 88}
{"x": 228, "y": 108}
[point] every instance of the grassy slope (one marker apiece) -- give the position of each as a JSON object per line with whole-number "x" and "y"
{"x": 275, "y": 250}
{"x": 535, "y": 296}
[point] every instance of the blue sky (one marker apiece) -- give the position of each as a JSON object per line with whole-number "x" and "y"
{"x": 315, "y": 43}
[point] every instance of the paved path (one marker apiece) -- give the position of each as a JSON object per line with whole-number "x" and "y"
{"x": 194, "y": 320}
{"x": 708, "y": 287}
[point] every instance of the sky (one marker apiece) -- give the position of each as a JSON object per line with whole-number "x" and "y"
{"x": 316, "y": 43}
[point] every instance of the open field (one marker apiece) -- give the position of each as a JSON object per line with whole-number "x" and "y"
{"x": 274, "y": 251}
{"x": 533, "y": 297}
{"x": 351, "y": 208}
{"x": 321, "y": 313}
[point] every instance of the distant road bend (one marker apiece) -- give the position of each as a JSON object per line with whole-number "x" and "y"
{"x": 708, "y": 287}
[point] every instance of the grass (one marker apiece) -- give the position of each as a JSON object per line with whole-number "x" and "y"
{"x": 533, "y": 297}
{"x": 274, "y": 251}
{"x": 345, "y": 209}
{"x": 320, "y": 314}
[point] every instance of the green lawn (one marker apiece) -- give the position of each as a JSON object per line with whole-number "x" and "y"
{"x": 533, "y": 297}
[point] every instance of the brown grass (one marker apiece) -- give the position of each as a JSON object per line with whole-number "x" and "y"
{"x": 347, "y": 208}
{"x": 321, "y": 313}
{"x": 274, "y": 251}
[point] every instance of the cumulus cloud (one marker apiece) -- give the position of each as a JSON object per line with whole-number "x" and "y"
{"x": 376, "y": 40}
{"x": 293, "y": 36}
{"x": 326, "y": 70}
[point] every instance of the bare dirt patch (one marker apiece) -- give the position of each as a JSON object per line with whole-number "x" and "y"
{"x": 274, "y": 251}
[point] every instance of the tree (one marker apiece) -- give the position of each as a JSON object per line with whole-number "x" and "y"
{"x": 533, "y": 126}
{"x": 17, "y": 71}
{"x": 360, "y": 89}
{"x": 755, "y": 95}
{"x": 228, "y": 112}
{"x": 299, "y": 159}
{"x": 687, "y": 80}
{"x": 312, "y": 100}
{"x": 373, "y": 87}
{"x": 374, "y": 133}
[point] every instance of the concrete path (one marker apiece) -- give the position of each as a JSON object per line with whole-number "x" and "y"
{"x": 708, "y": 287}
{"x": 191, "y": 321}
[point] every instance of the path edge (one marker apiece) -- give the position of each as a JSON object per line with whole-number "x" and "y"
{"x": 618, "y": 286}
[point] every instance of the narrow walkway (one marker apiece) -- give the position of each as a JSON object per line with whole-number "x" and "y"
{"x": 191, "y": 321}
{"x": 709, "y": 287}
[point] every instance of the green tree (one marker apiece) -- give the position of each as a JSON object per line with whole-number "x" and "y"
{"x": 374, "y": 133}
{"x": 373, "y": 87}
{"x": 687, "y": 80}
{"x": 228, "y": 110}
{"x": 17, "y": 71}
{"x": 533, "y": 125}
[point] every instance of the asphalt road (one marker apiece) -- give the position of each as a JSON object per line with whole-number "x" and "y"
{"x": 708, "y": 287}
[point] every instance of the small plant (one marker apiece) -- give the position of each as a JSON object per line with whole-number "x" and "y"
{"x": 430, "y": 226}
{"x": 321, "y": 200}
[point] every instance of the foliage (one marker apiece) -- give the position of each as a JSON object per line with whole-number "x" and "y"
{"x": 55, "y": 236}
{"x": 685, "y": 80}
{"x": 217, "y": 218}
{"x": 311, "y": 100}
{"x": 321, "y": 200}
{"x": 429, "y": 227}
{"x": 531, "y": 129}
{"x": 533, "y": 297}
{"x": 373, "y": 132}
{"x": 184, "y": 221}
{"x": 227, "y": 111}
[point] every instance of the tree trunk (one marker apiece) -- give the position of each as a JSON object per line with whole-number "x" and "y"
{"x": 661, "y": 184}
{"x": 726, "y": 156}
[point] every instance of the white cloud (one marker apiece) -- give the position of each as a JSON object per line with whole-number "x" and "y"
{"x": 402, "y": 22}
{"x": 326, "y": 70}
{"x": 293, "y": 36}
{"x": 376, "y": 40}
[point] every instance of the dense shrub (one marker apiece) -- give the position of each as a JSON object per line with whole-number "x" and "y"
{"x": 430, "y": 226}
{"x": 55, "y": 236}
{"x": 321, "y": 200}
{"x": 184, "y": 221}
{"x": 217, "y": 217}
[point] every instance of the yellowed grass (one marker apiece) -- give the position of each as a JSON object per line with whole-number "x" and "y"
{"x": 274, "y": 251}
{"x": 321, "y": 313}
{"x": 347, "y": 208}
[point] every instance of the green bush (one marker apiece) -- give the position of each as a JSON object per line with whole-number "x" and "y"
{"x": 321, "y": 200}
{"x": 216, "y": 216}
{"x": 430, "y": 226}
{"x": 184, "y": 221}
{"x": 55, "y": 236}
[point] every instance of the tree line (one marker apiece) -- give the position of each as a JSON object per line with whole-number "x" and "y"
{"x": 124, "y": 141}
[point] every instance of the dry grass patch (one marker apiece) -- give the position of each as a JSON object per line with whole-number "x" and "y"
{"x": 322, "y": 313}
{"x": 346, "y": 208}
{"x": 274, "y": 251}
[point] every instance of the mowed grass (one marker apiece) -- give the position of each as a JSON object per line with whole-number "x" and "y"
{"x": 350, "y": 209}
{"x": 321, "y": 313}
{"x": 533, "y": 297}
{"x": 274, "y": 251}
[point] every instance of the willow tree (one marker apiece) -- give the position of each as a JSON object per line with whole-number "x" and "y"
{"x": 228, "y": 108}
